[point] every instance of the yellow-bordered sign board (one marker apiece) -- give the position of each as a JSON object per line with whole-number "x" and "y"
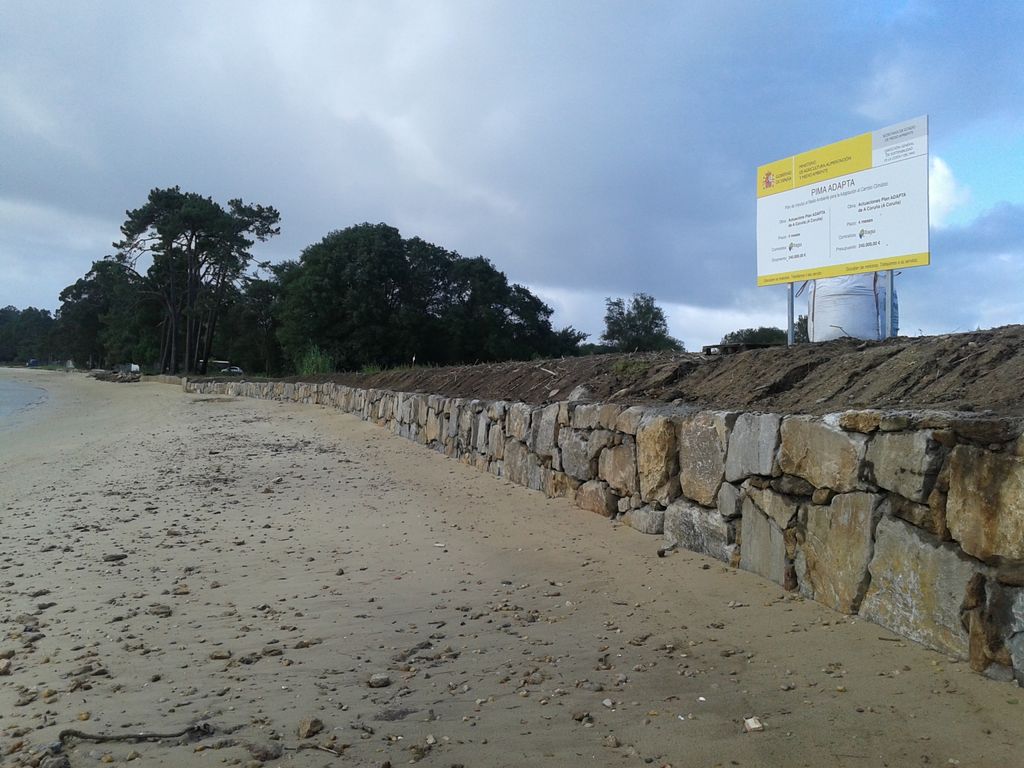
{"x": 858, "y": 205}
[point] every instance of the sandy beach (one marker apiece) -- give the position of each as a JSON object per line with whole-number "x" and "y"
{"x": 319, "y": 592}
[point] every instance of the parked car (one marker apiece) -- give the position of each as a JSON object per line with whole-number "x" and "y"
{"x": 33, "y": 363}
{"x": 232, "y": 370}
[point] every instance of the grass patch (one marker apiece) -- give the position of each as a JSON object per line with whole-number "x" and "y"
{"x": 315, "y": 361}
{"x": 372, "y": 368}
{"x": 631, "y": 367}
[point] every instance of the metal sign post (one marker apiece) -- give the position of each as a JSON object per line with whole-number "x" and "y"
{"x": 790, "y": 330}
{"x": 890, "y": 282}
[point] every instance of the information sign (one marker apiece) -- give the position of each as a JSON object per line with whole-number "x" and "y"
{"x": 859, "y": 205}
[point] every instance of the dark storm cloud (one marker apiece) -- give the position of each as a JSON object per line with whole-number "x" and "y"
{"x": 602, "y": 148}
{"x": 975, "y": 277}
{"x": 997, "y": 232}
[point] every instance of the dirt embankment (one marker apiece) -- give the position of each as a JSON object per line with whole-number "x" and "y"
{"x": 980, "y": 371}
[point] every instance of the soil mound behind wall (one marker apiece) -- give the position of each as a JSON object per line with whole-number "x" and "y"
{"x": 980, "y": 371}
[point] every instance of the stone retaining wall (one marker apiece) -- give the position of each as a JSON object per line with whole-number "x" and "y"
{"x": 913, "y": 520}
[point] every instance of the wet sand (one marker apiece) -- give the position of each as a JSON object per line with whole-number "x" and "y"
{"x": 168, "y": 559}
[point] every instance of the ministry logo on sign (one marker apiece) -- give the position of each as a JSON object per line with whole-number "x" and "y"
{"x": 768, "y": 181}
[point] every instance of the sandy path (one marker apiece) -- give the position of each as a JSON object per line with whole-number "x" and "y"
{"x": 277, "y": 556}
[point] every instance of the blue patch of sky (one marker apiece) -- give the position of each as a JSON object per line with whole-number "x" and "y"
{"x": 988, "y": 160}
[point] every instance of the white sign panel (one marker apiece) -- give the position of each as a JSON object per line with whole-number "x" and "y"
{"x": 859, "y": 205}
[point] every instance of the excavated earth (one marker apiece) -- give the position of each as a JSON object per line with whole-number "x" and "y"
{"x": 981, "y": 371}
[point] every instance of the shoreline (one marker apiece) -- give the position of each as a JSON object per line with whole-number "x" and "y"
{"x": 253, "y": 564}
{"x": 12, "y": 418}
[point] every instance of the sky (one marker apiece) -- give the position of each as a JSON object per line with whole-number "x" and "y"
{"x": 589, "y": 149}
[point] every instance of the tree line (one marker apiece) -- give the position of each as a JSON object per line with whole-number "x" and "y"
{"x": 182, "y": 289}
{"x": 25, "y": 334}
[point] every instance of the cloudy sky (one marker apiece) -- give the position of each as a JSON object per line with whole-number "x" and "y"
{"x": 588, "y": 149}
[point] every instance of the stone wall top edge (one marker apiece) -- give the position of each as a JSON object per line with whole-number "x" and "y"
{"x": 912, "y": 418}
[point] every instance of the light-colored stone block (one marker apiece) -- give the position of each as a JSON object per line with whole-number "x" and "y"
{"x": 519, "y": 462}
{"x": 480, "y": 432}
{"x": 985, "y": 506}
{"x": 585, "y": 416}
{"x": 596, "y": 415}
{"x": 537, "y": 474}
{"x": 703, "y": 442}
{"x": 780, "y": 508}
{"x": 432, "y": 429}
{"x": 580, "y": 393}
{"x": 596, "y": 496}
{"x": 762, "y": 545}
{"x": 467, "y": 424}
{"x": 617, "y": 467}
{"x": 543, "y": 437}
{"x": 454, "y": 411}
{"x": 558, "y": 485}
{"x": 730, "y": 501}
{"x": 518, "y": 421}
{"x": 575, "y": 453}
{"x": 608, "y": 415}
{"x": 837, "y": 548}
{"x": 657, "y": 459}
{"x": 697, "y": 529}
{"x": 752, "y": 446}
{"x": 905, "y": 462}
{"x": 628, "y": 422}
{"x": 565, "y": 409}
{"x": 579, "y": 450}
{"x": 496, "y": 440}
{"x": 645, "y": 520}
{"x": 917, "y": 586}
{"x": 823, "y": 455}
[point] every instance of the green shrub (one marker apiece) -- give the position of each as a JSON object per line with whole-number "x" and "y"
{"x": 314, "y": 361}
{"x": 630, "y": 367}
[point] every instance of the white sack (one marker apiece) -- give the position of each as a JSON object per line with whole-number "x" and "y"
{"x": 848, "y": 306}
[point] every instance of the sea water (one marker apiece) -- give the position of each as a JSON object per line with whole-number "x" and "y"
{"x": 16, "y": 397}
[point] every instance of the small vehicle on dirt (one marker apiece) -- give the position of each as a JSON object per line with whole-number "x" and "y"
{"x": 232, "y": 370}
